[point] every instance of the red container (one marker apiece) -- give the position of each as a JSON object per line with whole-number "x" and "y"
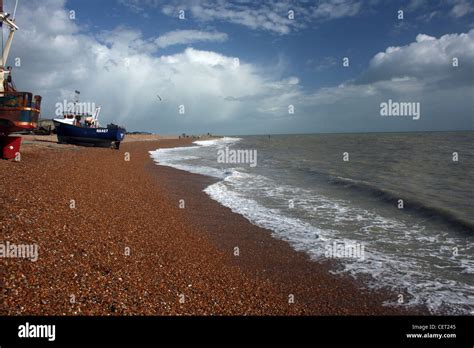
{"x": 9, "y": 146}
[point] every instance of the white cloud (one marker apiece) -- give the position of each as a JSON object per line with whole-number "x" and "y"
{"x": 415, "y": 4}
{"x": 271, "y": 16}
{"x": 430, "y": 9}
{"x": 126, "y": 40}
{"x": 428, "y": 58}
{"x": 337, "y": 9}
{"x": 259, "y": 17}
{"x": 462, "y": 8}
{"x": 139, "y": 6}
{"x": 180, "y": 37}
{"x": 421, "y": 71}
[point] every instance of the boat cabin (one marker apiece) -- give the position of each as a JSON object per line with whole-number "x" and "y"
{"x": 81, "y": 120}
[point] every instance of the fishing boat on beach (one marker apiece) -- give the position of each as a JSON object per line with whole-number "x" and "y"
{"x": 84, "y": 129}
{"x": 19, "y": 111}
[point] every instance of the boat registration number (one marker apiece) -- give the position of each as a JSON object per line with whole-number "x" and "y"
{"x": 102, "y": 130}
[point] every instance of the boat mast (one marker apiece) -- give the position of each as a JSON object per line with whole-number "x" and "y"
{"x": 4, "y": 19}
{"x": 76, "y": 101}
{"x": 96, "y": 116}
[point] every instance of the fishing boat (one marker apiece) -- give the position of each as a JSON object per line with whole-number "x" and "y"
{"x": 84, "y": 129}
{"x": 19, "y": 111}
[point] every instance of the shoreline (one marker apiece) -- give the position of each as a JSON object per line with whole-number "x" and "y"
{"x": 269, "y": 257}
{"x": 180, "y": 261}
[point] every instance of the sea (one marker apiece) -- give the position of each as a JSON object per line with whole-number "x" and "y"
{"x": 395, "y": 210}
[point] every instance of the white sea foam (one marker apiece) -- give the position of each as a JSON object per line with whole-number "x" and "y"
{"x": 175, "y": 157}
{"x": 218, "y": 141}
{"x": 302, "y": 233}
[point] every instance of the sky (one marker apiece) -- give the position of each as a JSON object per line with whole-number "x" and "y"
{"x": 251, "y": 67}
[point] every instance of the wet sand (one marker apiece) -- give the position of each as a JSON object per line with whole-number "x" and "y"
{"x": 113, "y": 240}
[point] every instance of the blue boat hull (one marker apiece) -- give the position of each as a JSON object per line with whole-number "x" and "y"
{"x": 109, "y": 136}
